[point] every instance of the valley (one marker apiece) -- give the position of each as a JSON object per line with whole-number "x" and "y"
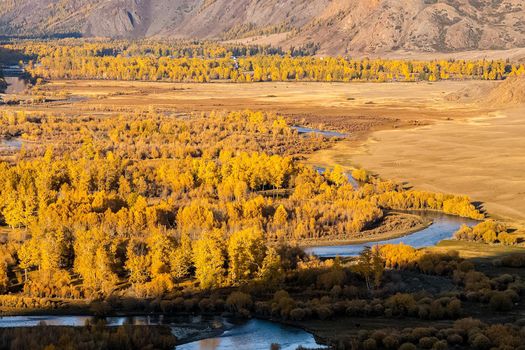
{"x": 158, "y": 195}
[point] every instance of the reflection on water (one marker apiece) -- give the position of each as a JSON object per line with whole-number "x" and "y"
{"x": 304, "y": 130}
{"x": 256, "y": 335}
{"x": 15, "y": 85}
{"x": 32, "y": 321}
{"x": 10, "y": 144}
{"x": 443, "y": 227}
{"x": 14, "y": 77}
{"x": 149, "y": 320}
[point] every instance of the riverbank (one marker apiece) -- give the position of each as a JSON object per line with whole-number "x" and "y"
{"x": 412, "y": 223}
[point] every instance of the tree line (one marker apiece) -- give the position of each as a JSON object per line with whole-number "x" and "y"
{"x": 205, "y": 62}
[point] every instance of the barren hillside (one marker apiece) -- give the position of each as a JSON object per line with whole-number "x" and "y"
{"x": 338, "y": 26}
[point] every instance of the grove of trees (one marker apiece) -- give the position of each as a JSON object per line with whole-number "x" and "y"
{"x": 153, "y": 200}
{"x": 205, "y": 62}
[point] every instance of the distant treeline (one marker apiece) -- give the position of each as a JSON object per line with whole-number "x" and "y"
{"x": 205, "y": 62}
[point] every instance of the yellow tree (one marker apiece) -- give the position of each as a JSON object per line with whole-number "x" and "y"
{"x": 246, "y": 252}
{"x": 209, "y": 260}
{"x": 138, "y": 261}
{"x": 181, "y": 258}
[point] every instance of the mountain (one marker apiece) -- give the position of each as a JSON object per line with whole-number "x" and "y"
{"x": 338, "y": 26}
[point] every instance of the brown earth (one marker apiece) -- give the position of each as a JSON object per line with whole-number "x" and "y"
{"x": 510, "y": 92}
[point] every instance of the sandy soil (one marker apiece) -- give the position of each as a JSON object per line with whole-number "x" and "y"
{"x": 482, "y": 157}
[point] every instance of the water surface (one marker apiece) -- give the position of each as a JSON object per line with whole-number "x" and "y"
{"x": 443, "y": 227}
{"x": 305, "y": 130}
{"x": 256, "y": 335}
{"x": 12, "y": 144}
{"x": 15, "y": 85}
{"x": 14, "y": 77}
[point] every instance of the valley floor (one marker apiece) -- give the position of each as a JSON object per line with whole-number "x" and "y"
{"x": 436, "y": 136}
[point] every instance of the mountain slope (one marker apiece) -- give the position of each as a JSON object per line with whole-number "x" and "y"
{"x": 339, "y": 26}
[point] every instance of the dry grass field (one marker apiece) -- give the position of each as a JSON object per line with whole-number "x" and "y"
{"x": 357, "y": 107}
{"x": 483, "y": 157}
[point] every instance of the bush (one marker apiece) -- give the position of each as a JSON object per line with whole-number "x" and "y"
{"x": 501, "y": 301}
{"x": 454, "y": 308}
{"x": 465, "y": 266}
{"x": 204, "y": 305}
{"x": 513, "y": 260}
{"x": 356, "y": 307}
{"x": 466, "y": 324}
{"x": 370, "y": 344}
{"x": 507, "y": 238}
{"x": 391, "y": 342}
{"x": 237, "y": 301}
{"x": 401, "y": 304}
{"x": 297, "y": 314}
{"x": 480, "y": 342}
{"x": 323, "y": 312}
{"x": 332, "y": 278}
{"x": 407, "y": 346}
{"x": 440, "y": 345}
{"x": 455, "y": 339}
{"x": 427, "y": 342}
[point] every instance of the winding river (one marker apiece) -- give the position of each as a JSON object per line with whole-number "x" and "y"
{"x": 443, "y": 227}
{"x": 257, "y": 334}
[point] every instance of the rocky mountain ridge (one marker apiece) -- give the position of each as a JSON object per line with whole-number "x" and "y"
{"x": 338, "y": 26}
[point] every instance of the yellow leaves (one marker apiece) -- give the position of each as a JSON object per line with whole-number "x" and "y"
{"x": 280, "y": 217}
{"x": 360, "y": 175}
{"x": 399, "y": 255}
{"x": 76, "y": 61}
{"x": 246, "y": 252}
{"x": 196, "y": 217}
{"x": 337, "y": 175}
{"x": 209, "y": 258}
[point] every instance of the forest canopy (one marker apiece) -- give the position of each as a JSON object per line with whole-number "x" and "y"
{"x": 192, "y": 62}
{"x": 153, "y": 200}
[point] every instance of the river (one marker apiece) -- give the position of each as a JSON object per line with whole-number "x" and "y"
{"x": 14, "y": 77}
{"x": 305, "y": 130}
{"x": 256, "y": 334}
{"x": 443, "y": 227}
